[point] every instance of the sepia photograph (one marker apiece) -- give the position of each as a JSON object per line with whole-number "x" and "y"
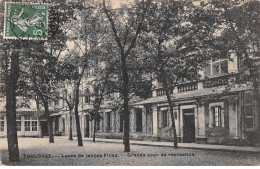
{"x": 129, "y": 83}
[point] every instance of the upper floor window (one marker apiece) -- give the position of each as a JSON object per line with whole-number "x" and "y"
{"x": 56, "y": 102}
{"x": 87, "y": 99}
{"x": 217, "y": 67}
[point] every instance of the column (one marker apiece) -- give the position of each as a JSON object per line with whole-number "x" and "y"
{"x": 83, "y": 125}
{"x": 132, "y": 120}
{"x": 144, "y": 120}
{"x": 155, "y": 120}
{"x": 5, "y": 125}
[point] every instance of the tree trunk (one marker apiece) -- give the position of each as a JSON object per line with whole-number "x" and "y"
{"x": 70, "y": 126}
{"x": 40, "y": 128}
{"x": 49, "y": 121}
{"x": 167, "y": 91}
{"x": 77, "y": 113}
{"x": 38, "y": 119}
{"x": 125, "y": 104}
{"x": 11, "y": 85}
{"x": 94, "y": 132}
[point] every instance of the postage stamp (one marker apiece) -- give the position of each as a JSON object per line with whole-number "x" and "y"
{"x": 25, "y": 21}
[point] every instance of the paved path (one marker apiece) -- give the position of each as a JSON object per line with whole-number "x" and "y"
{"x": 39, "y": 152}
{"x": 180, "y": 145}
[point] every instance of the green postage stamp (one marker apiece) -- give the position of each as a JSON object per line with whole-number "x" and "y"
{"x": 25, "y": 21}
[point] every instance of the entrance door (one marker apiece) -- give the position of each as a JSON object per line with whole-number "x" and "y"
{"x": 87, "y": 127}
{"x": 139, "y": 120}
{"x": 44, "y": 127}
{"x": 188, "y": 126}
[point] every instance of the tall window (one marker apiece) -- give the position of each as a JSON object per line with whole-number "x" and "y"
{"x": 18, "y": 123}
{"x": 217, "y": 116}
{"x": 34, "y": 124}
{"x": 2, "y": 123}
{"x": 27, "y": 123}
{"x": 164, "y": 118}
{"x": 249, "y": 111}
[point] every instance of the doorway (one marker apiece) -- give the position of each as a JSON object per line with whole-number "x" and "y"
{"x": 138, "y": 120}
{"x": 44, "y": 127}
{"x": 87, "y": 127}
{"x": 188, "y": 126}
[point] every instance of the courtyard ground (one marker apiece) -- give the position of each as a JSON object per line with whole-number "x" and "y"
{"x": 38, "y": 152}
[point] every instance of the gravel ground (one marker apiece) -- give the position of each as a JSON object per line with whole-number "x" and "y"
{"x": 37, "y": 152}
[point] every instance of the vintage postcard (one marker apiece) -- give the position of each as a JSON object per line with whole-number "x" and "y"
{"x": 129, "y": 83}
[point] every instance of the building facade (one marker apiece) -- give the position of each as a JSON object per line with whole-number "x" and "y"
{"x": 213, "y": 110}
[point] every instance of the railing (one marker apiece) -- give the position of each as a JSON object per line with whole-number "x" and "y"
{"x": 161, "y": 92}
{"x": 187, "y": 87}
{"x": 220, "y": 81}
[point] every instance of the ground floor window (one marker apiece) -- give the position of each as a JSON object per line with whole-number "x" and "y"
{"x": 30, "y": 123}
{"x": 18, "y": 123}
{"x": 249, "y": 111}
{"x": 164, "y": 118}
{"x": 217, "y": 116}
{"x": 27, "y": 123}
{"x": 2, "y": 123}
{"x": 34, "y": 125}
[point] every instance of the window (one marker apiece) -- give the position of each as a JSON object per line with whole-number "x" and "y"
{"x": 87, "y": 99}
{"x": 27, "y": 123}
{"x": 34, "y": 124}
{"x": 110, "y": 95}
{"x": 109, "y": 121}
{"x": 2, "y": 123}
{"x": 217, "y": 116}
{"x": 56, "y": 102}
{"x": 18, "y": 123}
{"x": 164, "y": 118}
{"x": 249, "y": 111}
{"x": 217, "y": 67}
